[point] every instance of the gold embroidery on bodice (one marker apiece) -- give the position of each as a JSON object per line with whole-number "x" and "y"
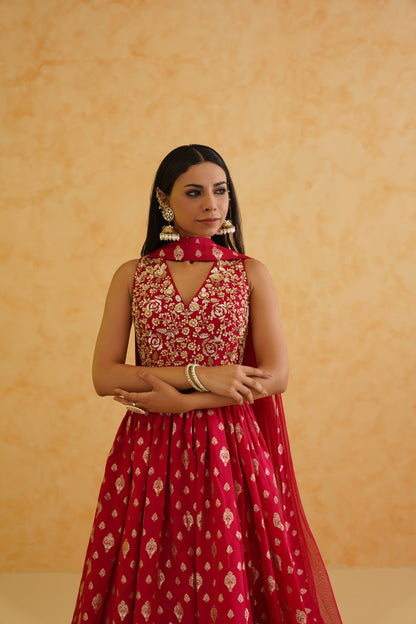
{"x": 210, "y": 330}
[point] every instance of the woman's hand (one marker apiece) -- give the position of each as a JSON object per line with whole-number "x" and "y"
{"x": 235, "y": 381}
{"x": 162, "y": 397}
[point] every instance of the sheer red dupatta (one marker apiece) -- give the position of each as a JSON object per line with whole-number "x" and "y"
{"x": 271, "y": 420}
{"x": 270, "y": 417}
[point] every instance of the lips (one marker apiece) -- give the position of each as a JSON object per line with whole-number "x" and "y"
{"x": 208, "y": 221}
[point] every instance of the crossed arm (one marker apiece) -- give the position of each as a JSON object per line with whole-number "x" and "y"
{"x": 161, "y": 389}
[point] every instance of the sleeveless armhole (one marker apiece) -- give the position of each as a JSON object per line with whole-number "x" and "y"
{"x": 135, "y": 278}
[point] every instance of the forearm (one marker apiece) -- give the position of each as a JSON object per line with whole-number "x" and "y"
{"x": 227, "y": 385}
{"x": 206, "y": 400}
{"x": 126, "y": 376}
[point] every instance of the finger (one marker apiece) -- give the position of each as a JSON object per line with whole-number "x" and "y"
{"x": 153, "y": 381}
{"x": 146, "y": 376}
{"x": 246, "y": 394}
{"x": 248, "y": 397}
{"x": 250, "y": 386}
{"x": 238, "y": 392}
{"x": 237, "y": 396}
{"x": 136, "y": 409}
{"x": 123, "y": 394}
{"x": 132, "y": 407}
{"x": 256, "y": 386}
{"x": 257, "y": 372}
{"x": 128, "y": 396}
{"x": 120, "y": 399}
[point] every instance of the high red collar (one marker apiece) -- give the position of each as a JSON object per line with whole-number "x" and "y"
{"x": 195, "y": 249}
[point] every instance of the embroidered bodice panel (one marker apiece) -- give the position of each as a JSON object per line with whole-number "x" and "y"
{"x": 210, "y": 330}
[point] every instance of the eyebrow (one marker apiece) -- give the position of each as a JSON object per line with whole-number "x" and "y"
{"x": 202, "y": 186}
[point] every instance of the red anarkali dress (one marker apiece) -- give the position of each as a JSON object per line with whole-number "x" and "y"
{"x": 199, "y": 519}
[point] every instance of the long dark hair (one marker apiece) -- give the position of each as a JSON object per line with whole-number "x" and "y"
{"x": 172, "y": 166}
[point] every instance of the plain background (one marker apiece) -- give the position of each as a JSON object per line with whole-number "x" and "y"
{"x": 312, "y": 105}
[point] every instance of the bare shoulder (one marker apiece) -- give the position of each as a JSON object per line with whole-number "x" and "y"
{"x": 124, "y": 275}
{"x": 257, "y": 273}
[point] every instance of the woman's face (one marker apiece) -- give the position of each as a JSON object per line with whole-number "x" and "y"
{"x": 199, "y": 199}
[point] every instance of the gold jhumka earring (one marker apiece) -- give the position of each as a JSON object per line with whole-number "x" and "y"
{"x": 168, "y": 232}
{"x": 227, "y": 227}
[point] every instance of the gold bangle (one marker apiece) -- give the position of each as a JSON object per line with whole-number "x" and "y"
{"x": 201, "y": 387}
{"x": 189, "y": 378}
{"x": 192, "y": 378}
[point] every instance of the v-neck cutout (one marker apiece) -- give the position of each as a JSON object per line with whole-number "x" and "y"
{"x": 188, "y": 302}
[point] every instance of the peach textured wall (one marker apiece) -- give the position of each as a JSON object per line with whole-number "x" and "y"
{"x": 312, "y": 103}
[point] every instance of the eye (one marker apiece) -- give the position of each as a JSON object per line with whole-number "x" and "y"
{"x": 193, "y": 193}
{"x": 221, "y": 191}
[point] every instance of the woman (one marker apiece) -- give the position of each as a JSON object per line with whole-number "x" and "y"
{"x": 199, "y": 517}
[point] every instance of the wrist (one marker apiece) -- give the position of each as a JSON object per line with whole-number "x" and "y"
{"x": 188, "y": 401}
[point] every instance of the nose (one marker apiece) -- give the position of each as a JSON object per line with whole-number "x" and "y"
{"x": 210, "y": 202}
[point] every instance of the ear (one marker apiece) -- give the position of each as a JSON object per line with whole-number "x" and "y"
{"x": 161, "y": 196}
